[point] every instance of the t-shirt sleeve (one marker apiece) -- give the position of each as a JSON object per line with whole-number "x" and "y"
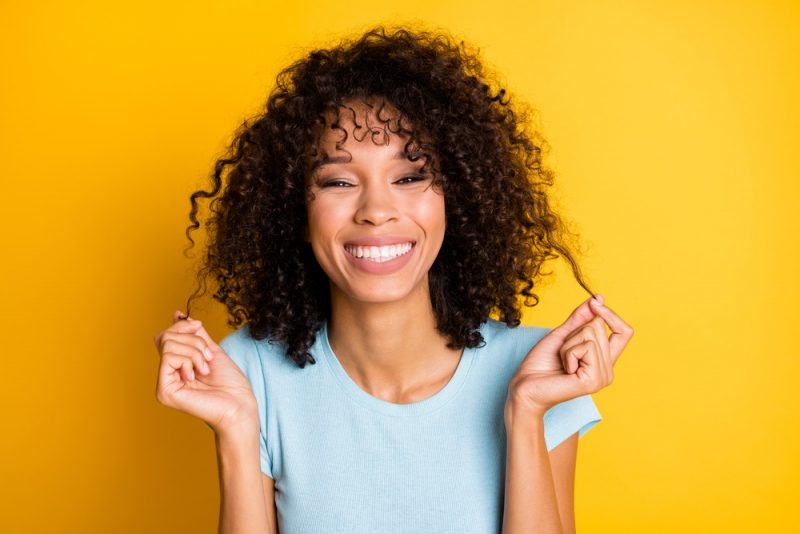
{"x": 564, "y": 419}
{"x": 243, "y": 351}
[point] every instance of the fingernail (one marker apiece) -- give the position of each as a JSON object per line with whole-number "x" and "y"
{"x": 598, "y": 299}
{"x": 207, "y": 352}
{"x": 181, "y": 315}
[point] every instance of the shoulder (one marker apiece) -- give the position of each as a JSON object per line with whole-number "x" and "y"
{"x": 252, "y": 354}
{"x": 560, "y": 421}
{"x": 506, "y": 346}
{"x": 240, "y": 347}
{"x": 501, "y": 335}
{"x": 237, "y": 342}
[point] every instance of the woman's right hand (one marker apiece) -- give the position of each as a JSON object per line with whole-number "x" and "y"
{"x": 197, "y": 377}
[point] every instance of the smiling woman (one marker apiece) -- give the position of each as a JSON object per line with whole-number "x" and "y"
{"x": 375, "y": 221}
{"x": 385, "y": 205}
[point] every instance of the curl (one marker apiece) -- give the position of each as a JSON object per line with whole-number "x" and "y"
{"x": 483, "y": 153}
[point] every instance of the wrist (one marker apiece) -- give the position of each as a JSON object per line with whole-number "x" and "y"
{"x": 244, "y": 422}
{"x": 517, "y": 410}
{"x": 237, "y": 448}
{"x": 519, "y": 398}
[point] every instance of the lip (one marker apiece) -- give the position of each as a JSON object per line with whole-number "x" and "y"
{"x": 386, "y": 267}
{"x": 379, "y": 241}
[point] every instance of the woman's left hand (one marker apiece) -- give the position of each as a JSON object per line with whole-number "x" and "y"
{"x": 574, "y": 359}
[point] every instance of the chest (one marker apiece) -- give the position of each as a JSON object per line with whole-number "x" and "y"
{"x": 354, "y": 472}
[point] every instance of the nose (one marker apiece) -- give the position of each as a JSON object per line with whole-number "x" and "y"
{"x": 376, "y": 205}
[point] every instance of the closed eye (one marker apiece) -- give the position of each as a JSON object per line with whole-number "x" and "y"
{"x": 411, "y": 179}
{"x": 402, "y": 181}
{"x": 335, "y": 183}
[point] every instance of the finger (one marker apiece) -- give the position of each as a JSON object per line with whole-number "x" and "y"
{"x": 186, "y": 332}
{"x": 579, "y": 317}
{"x": 175, "y": 366}
{"x": 598, "y": 324}
{"x": 601, "y": 336}
{"x": 603, "y": 364}
{"x": 598, "y": 332}
{"x": 190, "y": 350}
{"x": 570, "y": 363}
{"x": 200, "y": 363}
{"x": 185, "y": 326}
{"x": 575, "y": 333}
{"x": 621, "y": 332}
{"x": 589, "y": 371}
{"x": 178, "y": 316}
{"x": 179, "y": 327}
{"x": 201, "y": 331}
{"x": 570, "y": 358}
{"x": 187, "y": 366}
{"x": 168, "y": 376}
{"x": 586, "y": 380}
{"x": 187, "y": 371}
{"x": 166, "y": 370}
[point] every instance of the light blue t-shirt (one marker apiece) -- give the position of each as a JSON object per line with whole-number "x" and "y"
{"x": 344, "y": 461}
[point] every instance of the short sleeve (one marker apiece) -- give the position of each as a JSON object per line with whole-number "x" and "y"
{"x": 564, "y": 419}
{"x": 241, "y": 348}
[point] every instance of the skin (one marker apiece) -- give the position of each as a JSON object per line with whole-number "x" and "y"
{"x": 574, "y": 359}
{"x": 371, "y": 195}
{"x": 374, "y": 194}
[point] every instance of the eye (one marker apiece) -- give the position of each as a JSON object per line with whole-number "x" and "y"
{"x": 410, "y": 179}
{"x": 335, "y": 183}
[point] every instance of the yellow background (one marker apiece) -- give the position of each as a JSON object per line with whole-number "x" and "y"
{"x": 674, "y": 133}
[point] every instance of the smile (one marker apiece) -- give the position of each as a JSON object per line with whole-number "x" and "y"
{"x": 379, "y": 254}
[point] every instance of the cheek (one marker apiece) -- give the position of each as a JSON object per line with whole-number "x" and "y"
{"x": 325, "y": 222}
{"x": 431, "y": 212}
{"x": 322, "y": 219}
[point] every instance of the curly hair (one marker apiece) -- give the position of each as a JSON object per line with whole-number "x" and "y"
{"x": 500, "y": 226}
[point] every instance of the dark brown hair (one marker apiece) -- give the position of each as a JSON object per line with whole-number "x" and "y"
{"x": 485, "y": 155}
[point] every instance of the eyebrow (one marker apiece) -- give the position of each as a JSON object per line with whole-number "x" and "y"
{"x": 330, "y": 160}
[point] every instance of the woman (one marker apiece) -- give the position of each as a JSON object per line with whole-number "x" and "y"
{"x": 375, "y": 216}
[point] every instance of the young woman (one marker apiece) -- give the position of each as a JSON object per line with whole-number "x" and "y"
{"x": 372, "y": 220}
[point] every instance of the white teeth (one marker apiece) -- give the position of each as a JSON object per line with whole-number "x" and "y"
{"x": 379, "y": 254}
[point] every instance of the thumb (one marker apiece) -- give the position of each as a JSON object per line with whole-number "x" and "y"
{"x": 579, "y": 317}
{"x": 565, "y": 387}
{"x": 201, "y": 331}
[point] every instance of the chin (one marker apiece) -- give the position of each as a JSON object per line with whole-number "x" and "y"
{"x": 378, "y": 295}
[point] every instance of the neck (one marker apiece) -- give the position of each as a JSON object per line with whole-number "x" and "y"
{"x": 392, "y": 350}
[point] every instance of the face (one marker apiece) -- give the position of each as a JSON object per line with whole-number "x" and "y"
{"x": 375, "y": 223}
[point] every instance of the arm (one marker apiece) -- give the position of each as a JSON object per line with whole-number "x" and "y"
{"x": 539, "y": 486}
{"x": 270, "y": 504}
{"x": 197, "y": 376}
{"x": 562, "y": 461}
{"x": 243, "y": 507}
{"x": 571, "y": 360}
